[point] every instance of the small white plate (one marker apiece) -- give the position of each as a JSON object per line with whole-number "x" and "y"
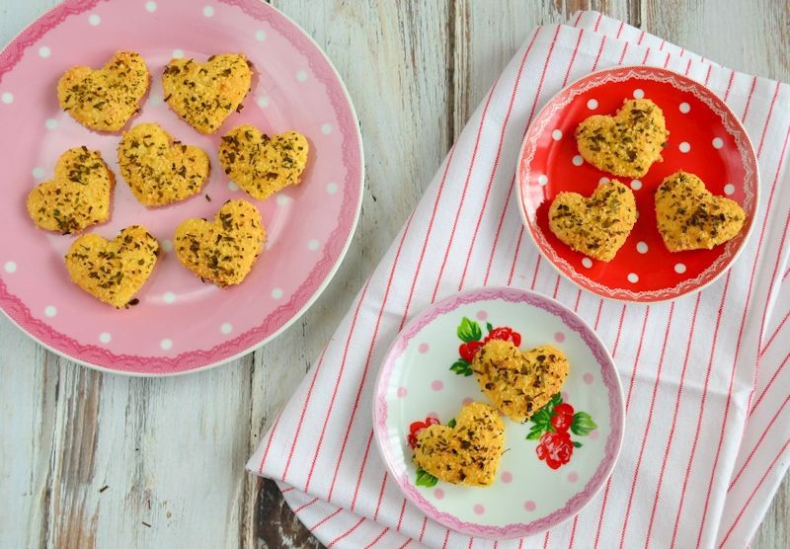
{"x": 423, "y": 376}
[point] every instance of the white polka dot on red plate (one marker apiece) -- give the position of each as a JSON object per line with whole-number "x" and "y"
{"x": 51, "y": 123}
{"x": 729, "y": 188}
{"x": 556, "y": 135}
{"x": 578, "y": 160}
{"x": 717, "y": 143}
{"x": 592, "y": 104}
{"x": 507, "y": 477}
{"x": 603, "y": 180}
{"x": 636, "y": 184}
{"x": 438, "y": 493}
{"x": 423, "y": 348}
{"x": 260, "y": 35}
{"x": 543, "y": 180}
{"x": 277, "y": 293}
{"x": 639, "y": 93}
{"x": 208, "y": 11}
{"x": 150, "y": 7}
{"x": 166, "y": 344}
{"x": 680, "y": 268}
{"x": 167, "y": 245}
{"x": 178, "y": 54}
{"x": 233, "y": 186}
{"x": 94, "y": 20}
{"x": 479, "y": 509}
{"x": 263, "y": 101}
{"x": 437, "y": 385}
{"x": 633, "y": 278}
{"x": 326, "y": 129}
{"x": 313, "y": 244}
{"x": 44, "y": 52}
{"x": 331, "y": 188}
{"x": 169, "y": 297}
{"x": 587, "y": 262}
{"x": 50, "y": 311}
{"x": 684, "y": 147}
{"x": 684, "y": 107}
{"x": 105, "y": 337}
{"x": 10, "y": 266}
{"x": 301, "y": 76}
{"x": 226, "y": 328}
{"x": 559, "y": 337}
{"x": 530, "y": 505}
{"x": 402, "y": 392}
{"x": 588, "y": 378}
{"x": 641, "y": 247}
{"x": 573, "y": 476}
{"x": 7, "y": 98}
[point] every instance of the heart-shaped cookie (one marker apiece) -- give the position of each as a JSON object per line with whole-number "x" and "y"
{"x": 467, "y": 453}
{"x": 519, "y": 383}
{"x": 597, "y": 226}
{"x": 625, "y": 144}
{"x": 205, "y": 94}
{"x": 77, "y": 197}
{"x": 114, "y": 270}
{"x": 224, "y": 250}
{"x": 159, "y": 170}
{"x": 262, "y": 165}
{"x": 105, "y": 99}
{"x": 691, "y": 218}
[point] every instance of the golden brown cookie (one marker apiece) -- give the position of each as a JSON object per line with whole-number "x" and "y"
{"x": 105, "y": 99}
{"x": 691, "y": 218}
{"x": 158, "y": 169}
{"x": 625, "y": 144}
{"x": 519, "y": 383}
{"x": 114, "y": 270}
{"x": 597, "y": 226}
{"x": 205, "y": 94}
{"x": 77, "y": 197}
{"x": 222, "y": 251}
{"x": 466, "y": 454}
{"x": 262, "y": 165}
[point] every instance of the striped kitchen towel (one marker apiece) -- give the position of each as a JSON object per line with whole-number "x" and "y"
{"x": 707, "y": 429}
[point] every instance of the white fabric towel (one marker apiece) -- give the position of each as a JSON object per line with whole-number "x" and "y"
{"x": 706, "y": 431}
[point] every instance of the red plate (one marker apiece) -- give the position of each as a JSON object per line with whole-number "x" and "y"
{"x": 705, "y": 139}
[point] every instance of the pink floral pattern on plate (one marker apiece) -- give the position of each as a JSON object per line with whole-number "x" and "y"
{"x": 180, "y": 324}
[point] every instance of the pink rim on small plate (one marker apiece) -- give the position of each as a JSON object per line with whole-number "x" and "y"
{"x": 414, "y": 382}
{"x": 180, "y": 324}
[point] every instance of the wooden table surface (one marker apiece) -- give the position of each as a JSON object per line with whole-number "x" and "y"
{"x": 90, "y": 459}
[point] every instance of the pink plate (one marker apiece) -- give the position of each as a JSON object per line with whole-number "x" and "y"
{"x": 705, "y": 138}
{"x": 552, "y": 466}
{"x": 180, "y": 324}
